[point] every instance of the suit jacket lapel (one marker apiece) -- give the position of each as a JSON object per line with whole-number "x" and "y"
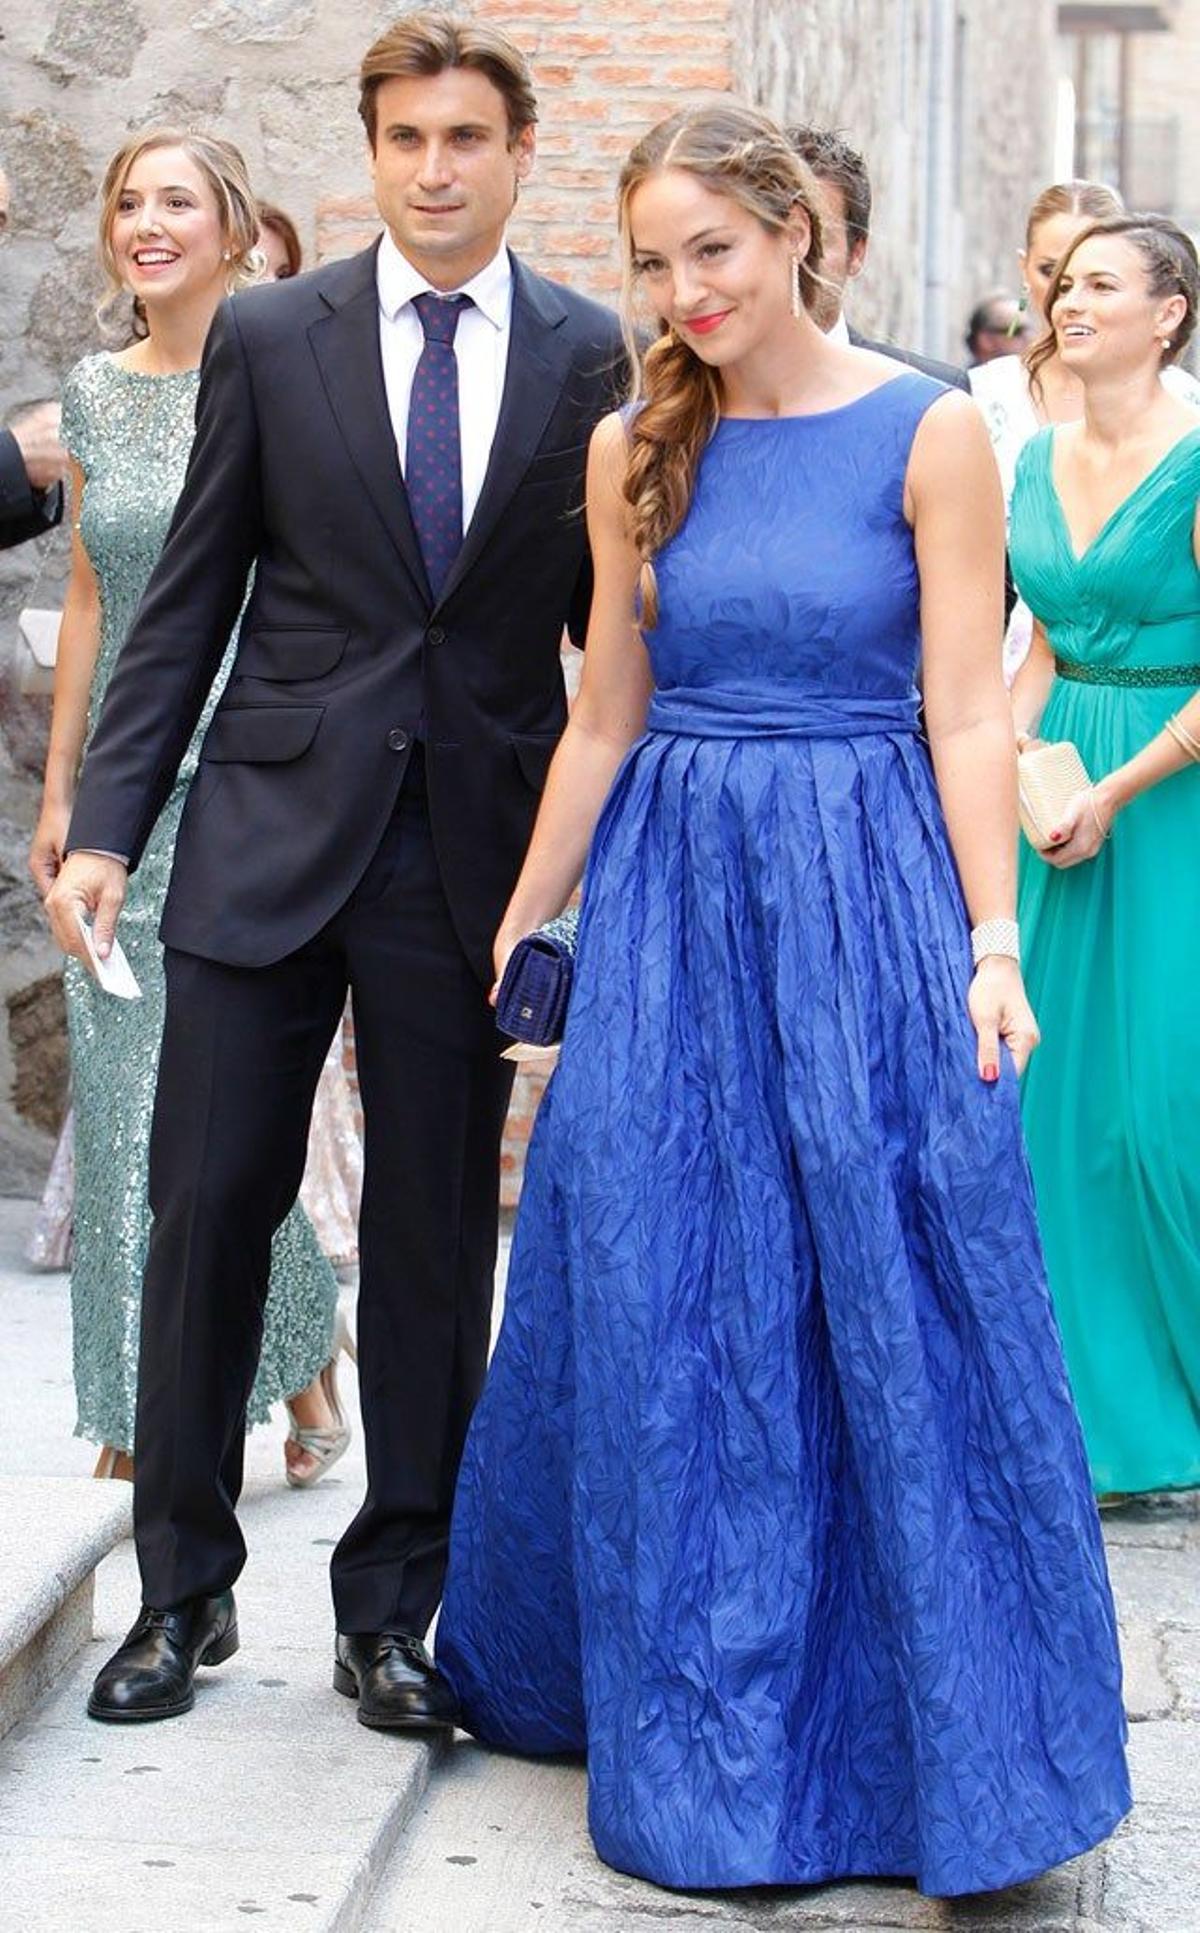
{"x": 539, "y": 356}
{"x": 346, "y": 345}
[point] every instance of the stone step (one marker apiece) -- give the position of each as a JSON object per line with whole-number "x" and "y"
{"x": 54, "y": 1531}
{"x": 267, "y": 1803}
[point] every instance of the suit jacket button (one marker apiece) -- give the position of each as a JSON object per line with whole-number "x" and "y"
{"x": 398, "y": 740}
{"x": 435, "y": 635}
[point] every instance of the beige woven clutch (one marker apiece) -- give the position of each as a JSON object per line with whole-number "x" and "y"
{"x": 1048, "y": 778}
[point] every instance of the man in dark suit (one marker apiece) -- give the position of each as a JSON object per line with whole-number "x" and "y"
{"x": 32, "y": 460}
{"x": 396, "y": 444}
{"x": 845, "y": 213}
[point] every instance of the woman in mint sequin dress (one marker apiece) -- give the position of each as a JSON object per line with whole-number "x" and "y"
{"x": 129, "y": 432}
{"x": 775, "y": 1502}
{"x": 1104, "y": 549}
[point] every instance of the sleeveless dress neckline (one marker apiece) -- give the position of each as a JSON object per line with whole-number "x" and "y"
{"x": 150, "y": 375}
{"x": 1128, "y": 503}
{"x": 839, "y": 409}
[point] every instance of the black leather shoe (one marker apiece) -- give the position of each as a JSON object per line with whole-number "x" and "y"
{"x": 396, "y": 1683}
{"x": 151, "y": 1675}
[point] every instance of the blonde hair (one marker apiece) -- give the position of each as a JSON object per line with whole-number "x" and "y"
{"x": 1095, "y": 199}
{"x": 737, "y": 151}
{"x": 426, "y": 43}
{"x": 223, "y": 168}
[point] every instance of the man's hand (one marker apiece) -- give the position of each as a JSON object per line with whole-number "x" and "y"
{"x": 43, "y": 455}
{"x": 93, "y": 885}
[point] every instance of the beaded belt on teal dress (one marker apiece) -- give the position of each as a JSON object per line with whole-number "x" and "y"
{"x": 1127, "y": 674}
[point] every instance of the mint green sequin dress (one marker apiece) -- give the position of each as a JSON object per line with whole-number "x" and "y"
{"x": 1111, "y": 1101}
{"x": 131, "y": 435}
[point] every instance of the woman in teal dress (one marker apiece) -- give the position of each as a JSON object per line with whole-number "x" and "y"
{"x": 1104, "y": 549}
{"x": 177, "y": 227}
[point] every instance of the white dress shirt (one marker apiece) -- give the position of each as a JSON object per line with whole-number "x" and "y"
{"x": 480, "y": 349}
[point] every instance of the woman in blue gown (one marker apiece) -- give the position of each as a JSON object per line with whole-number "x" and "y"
{"x": 775, "y": 1502}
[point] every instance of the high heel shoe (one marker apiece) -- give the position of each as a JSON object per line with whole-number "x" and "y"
{"x": 324, "y": 1446}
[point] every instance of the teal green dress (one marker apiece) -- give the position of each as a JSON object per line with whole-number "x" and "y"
{"x": 131, "y": 435}
{"x": 1111, "y": 1101}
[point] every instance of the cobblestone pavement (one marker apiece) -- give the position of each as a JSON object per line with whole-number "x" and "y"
{"x": 499, "y": 1846}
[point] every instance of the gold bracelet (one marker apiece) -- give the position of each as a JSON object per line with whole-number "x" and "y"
{"x": 1183, "y": 738}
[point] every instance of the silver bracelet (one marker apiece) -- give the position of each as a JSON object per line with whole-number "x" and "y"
{"x": 996, "y": 936}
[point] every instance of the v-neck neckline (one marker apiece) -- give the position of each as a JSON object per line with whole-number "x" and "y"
{"x": 1080, "y": 557}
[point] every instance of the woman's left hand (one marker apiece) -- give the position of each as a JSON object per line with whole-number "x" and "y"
{"x": 1000, "y": 1011}
{"x": 1083, "y": 828}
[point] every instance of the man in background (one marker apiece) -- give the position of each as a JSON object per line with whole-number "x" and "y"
{"x": 845, "y": 207}
{"x": 997, "y": 326}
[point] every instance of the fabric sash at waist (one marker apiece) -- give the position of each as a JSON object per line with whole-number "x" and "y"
{"x": 713, "y": 712}
{"x": 1129, "y": 676}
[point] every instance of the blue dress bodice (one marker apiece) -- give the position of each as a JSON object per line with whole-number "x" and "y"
{"x": 811, "y": 596}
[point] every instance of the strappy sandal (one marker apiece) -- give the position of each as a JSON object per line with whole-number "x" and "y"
{"x": 324, "y": 1446}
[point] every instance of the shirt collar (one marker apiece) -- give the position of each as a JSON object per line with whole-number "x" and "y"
{"x": 398, "y": 281}
{"x": 839, "y": 331}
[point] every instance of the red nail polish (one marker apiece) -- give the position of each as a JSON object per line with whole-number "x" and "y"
{"x": 991, "y": 1072}
{"x": 1055, "y": 837}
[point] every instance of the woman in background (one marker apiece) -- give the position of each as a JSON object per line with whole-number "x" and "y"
{"x": 178, "y": 229}
{"x": 1014, "y": 407}
{"x": 1105, "y": 540}
{"x": 279, "y": 243}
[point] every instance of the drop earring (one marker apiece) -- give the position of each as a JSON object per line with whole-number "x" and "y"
{"x": 797, "y": 290}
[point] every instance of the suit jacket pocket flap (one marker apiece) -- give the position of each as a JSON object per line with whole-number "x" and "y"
{"x": 261, "y": 734}
{"x": 289, "y": 651}
{"x": 534, "y": 751}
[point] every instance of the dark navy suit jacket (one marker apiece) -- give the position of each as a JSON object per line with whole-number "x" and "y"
{"x": 343, "y": 656}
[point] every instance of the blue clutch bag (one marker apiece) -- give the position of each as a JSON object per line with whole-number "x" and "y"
{"x": 531, "y": 1004}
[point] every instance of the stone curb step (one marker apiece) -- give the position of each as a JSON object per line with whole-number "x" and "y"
{"x": 205, "y": 1823}
{"x": 54, "y": 1531}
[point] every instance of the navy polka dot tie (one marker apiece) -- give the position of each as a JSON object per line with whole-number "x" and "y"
{"x": 433, "y": 461}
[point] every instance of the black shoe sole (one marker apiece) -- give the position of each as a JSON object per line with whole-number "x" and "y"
{"x": 218, "y": 1651}
{"x": 345, "y": 1682}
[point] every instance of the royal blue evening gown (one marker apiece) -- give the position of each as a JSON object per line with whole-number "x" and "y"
{"x": 775, "y": 1502}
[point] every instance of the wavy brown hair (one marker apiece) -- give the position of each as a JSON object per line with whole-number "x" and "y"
{"x": 736, "y": 151}
{"x": 224, "y": 170}
{"x": 1169, "y": 259}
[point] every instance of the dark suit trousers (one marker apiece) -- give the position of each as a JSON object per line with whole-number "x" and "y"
{"x": 242, "y": 1051}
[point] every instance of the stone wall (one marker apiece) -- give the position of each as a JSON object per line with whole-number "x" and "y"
{"x": 278, "y": 75}
{"x": 1164, "y": 79}
{"x": 951, "y": 105}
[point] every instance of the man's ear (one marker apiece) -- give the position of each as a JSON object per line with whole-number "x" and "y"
{"x": 857, "y": 257}
{"x": 525, "y": 150}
